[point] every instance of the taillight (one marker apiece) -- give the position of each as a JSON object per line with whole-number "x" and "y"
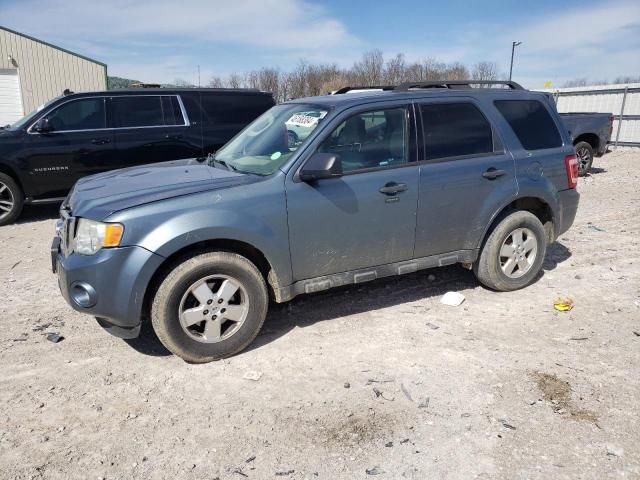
{"x": 571, "y": 162}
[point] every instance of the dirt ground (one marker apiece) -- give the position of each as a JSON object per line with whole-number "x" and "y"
{"x": 375, "y": 381}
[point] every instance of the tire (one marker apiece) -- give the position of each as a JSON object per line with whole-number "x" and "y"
{"x": 11, "y": 199}
{"x": 584, "y": 152}
{"x": 491, "y": 268}
{"x": 175, "y": 305}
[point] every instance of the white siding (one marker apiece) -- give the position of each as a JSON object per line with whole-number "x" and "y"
{"x": 10, "y": 97}
{"x": 46, "y": 71}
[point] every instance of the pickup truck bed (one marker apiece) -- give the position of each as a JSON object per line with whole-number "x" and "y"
{"x": 590, "y": 134}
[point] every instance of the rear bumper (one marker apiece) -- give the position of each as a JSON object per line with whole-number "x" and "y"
{"x": 109, "y": 285}
{"x": 568, "y": 202}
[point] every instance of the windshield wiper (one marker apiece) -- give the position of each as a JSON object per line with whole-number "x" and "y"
{"x": 226, "y": 165}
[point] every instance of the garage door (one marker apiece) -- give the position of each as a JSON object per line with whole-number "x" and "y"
{"x": 10, "y": 98}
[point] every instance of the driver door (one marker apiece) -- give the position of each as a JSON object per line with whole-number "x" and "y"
{"x": 77, "y": 145}
{"x": 348, "y": 223}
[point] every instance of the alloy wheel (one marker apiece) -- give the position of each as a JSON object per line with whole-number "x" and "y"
{"x": 6, "y": 200}
{"x": 213, "y": 308}
{"x": 518, "y": 252}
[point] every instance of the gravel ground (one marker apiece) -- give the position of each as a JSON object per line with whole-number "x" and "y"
{"x": 377, "y": 380}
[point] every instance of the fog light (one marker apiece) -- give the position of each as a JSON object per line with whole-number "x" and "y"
{"x": 83, "y": 294}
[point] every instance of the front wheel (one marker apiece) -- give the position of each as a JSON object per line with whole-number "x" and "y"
{"x": 11, "y": 199}
{"x": 584, "y": 152}
{"x": 209, "y": 307}
{"x": 512, "y": 256}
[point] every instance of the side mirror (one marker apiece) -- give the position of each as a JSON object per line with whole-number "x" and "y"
{"x": 320, "y": 166}
{"x": 43, "y": 125}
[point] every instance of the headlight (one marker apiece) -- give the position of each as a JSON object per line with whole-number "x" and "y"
{"x": 91, "y": 236}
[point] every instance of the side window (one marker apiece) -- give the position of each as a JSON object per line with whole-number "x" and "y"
{"x": 455, "y": 130}
{"x": 140, "y": 111}
{"x": 531, "y": 123}
{"x": 172, "y": 111}
{"x": 370, "y": 140}
{"x": 221, "y": 109}
{"x": 82, "y": 114}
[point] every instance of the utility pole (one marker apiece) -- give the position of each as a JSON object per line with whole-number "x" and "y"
{"x": 513, "y": 48}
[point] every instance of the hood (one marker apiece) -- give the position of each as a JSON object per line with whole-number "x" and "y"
{"x": 98, "y": 196}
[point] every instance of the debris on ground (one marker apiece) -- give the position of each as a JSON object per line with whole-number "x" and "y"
{"x": 374, "y": 471}
{"x": 424, "y": 403}
{"x": 506, "y": 424}
{"x": 347, "y": 385}
{"x": 636, "y": 333}
{"x": 615, "y": 451}
{"x": 252, "y": 375}
{"x": 432, "y": 326}
{"x": 388, "y": 444}
{"x": 55, "y": 338}
{"x": 453, "y": 299}
{"x": 375, "y": 380}
{"x": 284, "y": 473}
{"x": 406, "y": 392}
{"x": 563, "y": 304}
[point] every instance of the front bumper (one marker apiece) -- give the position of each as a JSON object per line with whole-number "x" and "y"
{"x": 109, "y": 285}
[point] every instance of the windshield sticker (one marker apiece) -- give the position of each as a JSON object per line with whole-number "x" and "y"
{"x": 308, "y": 119}
{"x": 276, "y": 155}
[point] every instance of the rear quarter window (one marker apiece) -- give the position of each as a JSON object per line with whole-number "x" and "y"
{"x": 234, "y": 109}
{"x": 531, "y": 122}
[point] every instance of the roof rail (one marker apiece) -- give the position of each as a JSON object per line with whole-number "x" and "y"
{"x": 455, "y": 84}
{"x": 342, "y": 90}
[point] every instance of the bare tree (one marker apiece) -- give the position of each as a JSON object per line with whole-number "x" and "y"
{"x": 485, "y": 71}
{"x": 216, "y": 82}
{"x": 368, "y": 71}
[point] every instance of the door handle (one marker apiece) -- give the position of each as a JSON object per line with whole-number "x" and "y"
{"x": 100, "y": 141}
{"x": 172, "y": 137}
{"x": 493, "y": 173}
{"x": 393, "y": 188}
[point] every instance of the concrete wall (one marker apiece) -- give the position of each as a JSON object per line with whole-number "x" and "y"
{"x": 45, "y": 71}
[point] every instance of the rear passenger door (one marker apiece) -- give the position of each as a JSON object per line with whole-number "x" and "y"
{"x": 151, "y": 128}
{"x": 465, "y": 175}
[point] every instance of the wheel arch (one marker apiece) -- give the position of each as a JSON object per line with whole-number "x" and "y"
{"x": 7, "y": 170}
{"x": 535, "y": 205}
{"x": 591, "y": 138}
{"x": 244, "y": 249}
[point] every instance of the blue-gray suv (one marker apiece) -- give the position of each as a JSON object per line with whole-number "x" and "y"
{"x": 384, "y": 181}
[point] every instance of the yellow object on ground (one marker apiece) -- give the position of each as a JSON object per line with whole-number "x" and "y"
{"x": 563, "y": 304}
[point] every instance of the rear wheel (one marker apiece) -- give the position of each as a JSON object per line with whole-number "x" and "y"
{"x": 512, "y": 256}
{"x": 584, "y": 152}
{"x": 209, "y": 307}
{"x": 11, "y": 199}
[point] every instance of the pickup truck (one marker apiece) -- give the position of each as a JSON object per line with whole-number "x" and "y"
{"x": 590, "y": 134}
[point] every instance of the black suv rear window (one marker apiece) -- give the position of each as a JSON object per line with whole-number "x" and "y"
{"x": 455, "y": 130}
{"x": 146, "y": 111}
{"x": 531, "y": 123}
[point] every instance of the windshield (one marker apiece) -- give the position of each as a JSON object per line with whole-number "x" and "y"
{"x": 268, "y": 142}
{"x": 27, "y": 118}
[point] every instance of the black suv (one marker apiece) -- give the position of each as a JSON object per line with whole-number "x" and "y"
{"x": 78, "y": 134}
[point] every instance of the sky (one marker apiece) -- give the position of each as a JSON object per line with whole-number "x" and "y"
{"x": 162, "y": 40}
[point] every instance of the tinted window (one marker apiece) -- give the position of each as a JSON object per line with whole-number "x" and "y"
{"x": 229, "y": 109}
{"x": 454, "y": 130}
{"x": 172, "y": 111}
{"x": 146, "y": 111}
{"x": 83, "y": 114}
{"x": 531, "y": 123}
{"x": 370, "y": 140}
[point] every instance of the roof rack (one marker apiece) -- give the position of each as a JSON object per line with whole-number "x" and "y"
{"x": 455, "y": 84}
{"x": 342, "y": 90}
